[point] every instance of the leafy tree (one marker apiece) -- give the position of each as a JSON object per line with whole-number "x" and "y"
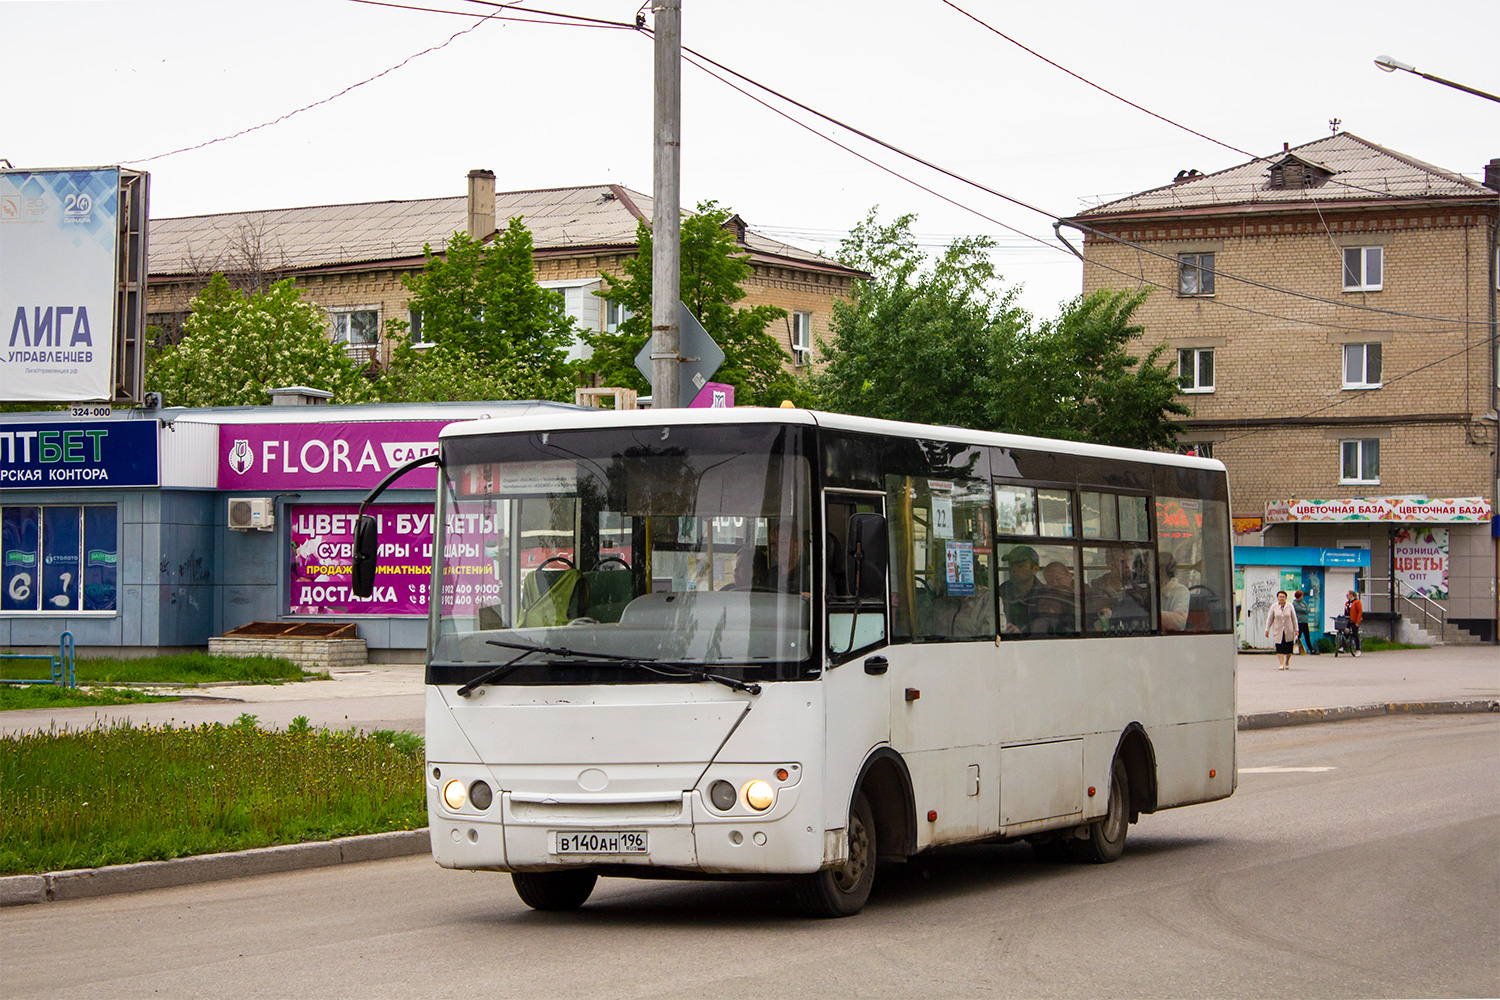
{"x": 713, "y": 268}
{"x": 236, "y": 347}
{"x": 483, "y": 299}
{"x": 442, "y": 374}
{"x": 936, "y": 342}
{"x": 918, "y": 343}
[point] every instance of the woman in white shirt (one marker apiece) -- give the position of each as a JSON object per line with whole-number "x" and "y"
{"x": 1281, "y": 628}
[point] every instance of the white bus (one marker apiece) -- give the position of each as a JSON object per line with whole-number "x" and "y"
{"x": 774, "y": 642}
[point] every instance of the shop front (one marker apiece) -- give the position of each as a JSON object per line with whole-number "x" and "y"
{"x": 157, "y": 531}
{"x": 1430, "y": 558}
{"x": 1324, "y": 576}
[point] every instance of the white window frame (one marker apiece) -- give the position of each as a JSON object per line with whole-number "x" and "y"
{"x": 1201, "y": 266}
{"x": 801, "y": 337}
{"x": 615, "y": 315}
{"x": 1193, "y": 380}
{"x": 340, "y": 319}
{"x": 414, "y": 329}
{"x": 1361, "y": 352}
{"x": 1359, "y": 281}
{"x": 1361, "y": 448}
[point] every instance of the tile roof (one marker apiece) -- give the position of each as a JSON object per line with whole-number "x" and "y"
{"x": 598, "y": 216}
{"x": 1360, "y": 171}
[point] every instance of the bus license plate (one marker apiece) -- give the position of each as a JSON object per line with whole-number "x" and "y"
{"x": 599, "y": 842}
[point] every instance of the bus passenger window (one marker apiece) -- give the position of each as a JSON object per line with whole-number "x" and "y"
{"x": 1039, "y": 591}
{"x": 1057, "y": 512}
{"x": 1118, "y": 591}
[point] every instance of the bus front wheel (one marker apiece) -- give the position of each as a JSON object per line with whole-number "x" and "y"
{"x": 561, "y": 890}
{"x": 843, "y": 891}
{"x": 1106, "y": 836}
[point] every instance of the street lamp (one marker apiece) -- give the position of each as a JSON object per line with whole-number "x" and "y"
{"x": 1390, "y": 65}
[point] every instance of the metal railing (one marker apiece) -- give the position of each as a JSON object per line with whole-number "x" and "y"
{"x": 61, "y": 665}
{"x": 1403, "y": 600}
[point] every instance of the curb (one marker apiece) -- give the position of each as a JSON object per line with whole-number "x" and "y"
{"x": 1309, "y": 716}
{"x": 82, "y": 883}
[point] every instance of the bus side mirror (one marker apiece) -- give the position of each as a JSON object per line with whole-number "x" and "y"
{"x": 363, "y": 570}
{"x": 869, "y": 552}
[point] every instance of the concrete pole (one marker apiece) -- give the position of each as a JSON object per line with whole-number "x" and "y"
{"x": 666, "y": 214}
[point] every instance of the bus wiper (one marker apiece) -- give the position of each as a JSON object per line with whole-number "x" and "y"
{"x": 650, "y": 663}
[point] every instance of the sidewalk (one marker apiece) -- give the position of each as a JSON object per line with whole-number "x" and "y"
{"x": 381, "y": 696}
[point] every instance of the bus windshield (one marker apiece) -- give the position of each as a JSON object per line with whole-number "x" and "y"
{"x": 680, "y": 544}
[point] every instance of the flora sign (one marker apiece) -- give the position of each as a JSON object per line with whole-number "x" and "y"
{"x": 328, "y": 456}
{"x": 1401, "y": 509}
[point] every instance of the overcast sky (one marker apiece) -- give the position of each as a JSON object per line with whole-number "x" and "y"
{"x": 97, "y": 83}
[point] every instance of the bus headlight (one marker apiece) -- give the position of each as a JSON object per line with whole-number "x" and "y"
{"x": 453, "y": 795}
{"x": 481, "y": 795}
{"x": 721, "y": 793}
{"x": 758, "y": 795}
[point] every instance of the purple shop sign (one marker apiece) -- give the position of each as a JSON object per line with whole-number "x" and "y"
{"x": 327, "y": 456}
{"x": 322, "y": 538}
{"x": 713, "y": 395}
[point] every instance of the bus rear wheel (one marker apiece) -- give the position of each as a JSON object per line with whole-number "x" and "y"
{"x": 561, "y": 890}
{"x": 843, "y": 891}
{"x": 1106, "y": 836}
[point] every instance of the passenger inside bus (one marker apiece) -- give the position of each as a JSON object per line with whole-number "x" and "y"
{"x": 1021, "y": 568}
{"x": 1174, "y": 596}
{"x": 1051, "y": 604}
{"x": 779, "y": 566}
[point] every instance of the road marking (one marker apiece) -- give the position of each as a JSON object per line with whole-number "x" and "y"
{"x": 1284, "y": 770}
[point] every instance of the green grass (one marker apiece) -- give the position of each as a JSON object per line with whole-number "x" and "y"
{"x": 13, "y": 697}
{"x": 186, "y": 668}
{"x": 141, "y": 793}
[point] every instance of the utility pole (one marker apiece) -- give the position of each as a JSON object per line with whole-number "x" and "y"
{"x": 666, "y": 214}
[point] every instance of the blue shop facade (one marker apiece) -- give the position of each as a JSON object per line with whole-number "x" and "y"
{"x": 153, "y": 531}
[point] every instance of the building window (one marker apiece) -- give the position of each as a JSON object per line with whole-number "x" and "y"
{"x": 1195, "y": 369}
{"x": 358, "y": 330}
{"x": 1360, "y": 461}
{"x": 1198, "y": 449}
{"x": 414, "y": 329}
{"x": 801, "y": 337}
{"x": 1361, "y": 366}
{"x": 615, "y": 315}
{"x": 1195, "y": 274}
{"x": 1364, "y": 269}
{"x": 57, "y": 559}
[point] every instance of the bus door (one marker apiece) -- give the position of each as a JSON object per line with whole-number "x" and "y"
{"x": 856, "y": 684}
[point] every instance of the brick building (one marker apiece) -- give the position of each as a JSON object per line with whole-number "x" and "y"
{"x": 1332, "y": 308}
{"x": 350, "y": 259}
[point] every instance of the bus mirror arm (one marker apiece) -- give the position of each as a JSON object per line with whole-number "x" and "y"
{"x": 366, "y": 532}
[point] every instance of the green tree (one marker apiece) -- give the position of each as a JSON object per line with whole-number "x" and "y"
{"x": 713, "y": 269}
{"x": 918, "y": 342}
{"x": 483, "y": 299}
{"x": 441, "y": 374}
{"x": 236, "y": 347}
{"x": 937, "y": 342}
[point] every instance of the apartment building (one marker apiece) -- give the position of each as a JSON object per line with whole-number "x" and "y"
{"x": 350, "y": 259}
{"x": 1332, "y": 310}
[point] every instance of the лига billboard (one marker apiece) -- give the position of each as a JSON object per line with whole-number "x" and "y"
{"x": 58, "y": 258}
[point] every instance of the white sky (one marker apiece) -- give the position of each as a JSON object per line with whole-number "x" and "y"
{"x": 96, "y": 83}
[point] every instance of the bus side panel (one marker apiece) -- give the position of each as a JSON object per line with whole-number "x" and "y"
{"x": 857, "y": 710}
{"x": 1185, "y": 756}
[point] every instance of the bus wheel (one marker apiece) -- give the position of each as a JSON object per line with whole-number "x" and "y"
{"x": 843, "y": 891}
{"x": 1106, "y": 837}
{"x": 562, "y": 890}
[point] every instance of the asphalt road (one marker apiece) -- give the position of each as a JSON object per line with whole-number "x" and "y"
{"x": 1379, "y": 876}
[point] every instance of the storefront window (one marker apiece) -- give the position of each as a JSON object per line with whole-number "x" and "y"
{"x": 59, "y": 559}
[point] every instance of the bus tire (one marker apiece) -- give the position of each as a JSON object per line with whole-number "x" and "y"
{"x": 843, "y": 891}
{"x": 1105, "y": 841}
{"x": 559, "y": 890}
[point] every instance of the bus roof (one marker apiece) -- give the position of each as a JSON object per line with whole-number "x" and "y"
{"x": 583, "y": 419}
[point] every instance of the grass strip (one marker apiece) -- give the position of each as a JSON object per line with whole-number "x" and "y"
{"x": 125, "y": 793}
{"x": 184, "y": 668}
{"x": 13, "y": 698}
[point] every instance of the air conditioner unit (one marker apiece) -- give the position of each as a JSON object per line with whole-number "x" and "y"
{"x": 800, "y": 356}
{"x": 252, "y": 513}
